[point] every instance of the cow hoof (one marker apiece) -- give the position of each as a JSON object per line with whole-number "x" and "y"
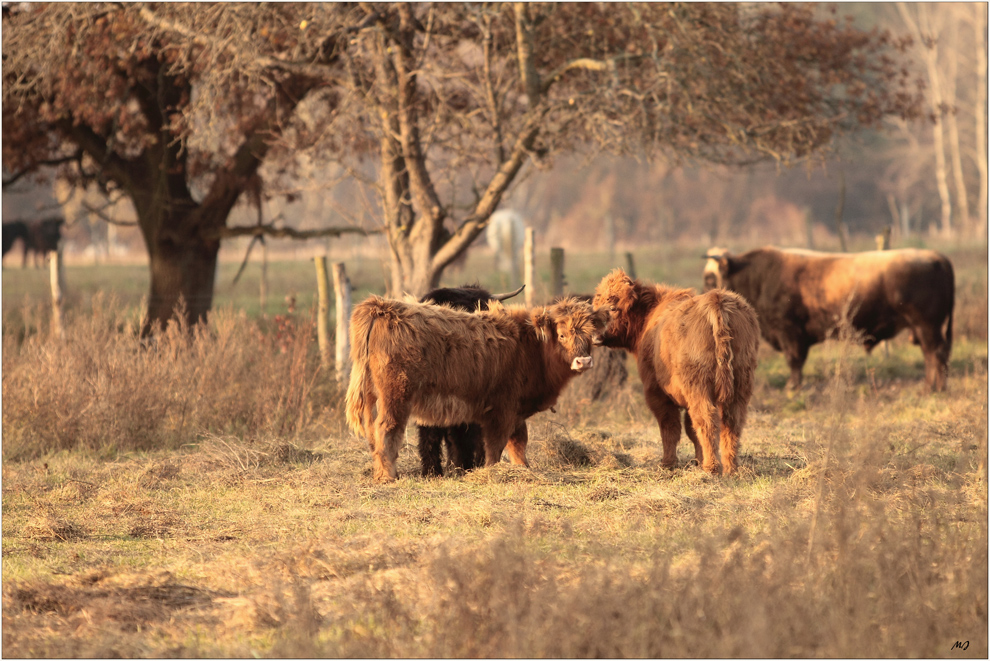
{"x": 382, "y": 476}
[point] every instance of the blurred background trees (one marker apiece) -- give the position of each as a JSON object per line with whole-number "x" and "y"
{"x": 650, "y": 123}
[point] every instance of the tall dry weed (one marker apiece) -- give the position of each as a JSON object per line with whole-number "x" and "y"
{"x": 105, "y": 390}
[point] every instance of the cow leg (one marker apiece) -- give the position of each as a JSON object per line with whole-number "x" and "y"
{"x": 796, "y": 354}
{"x": 705, "y": 419}
{"x": 462, "y": 444}
{"x": 693, "y": 435}
{"x": 936, "y": 351}
{"x": 517, "y": 444}
{"x": 496, "y": 434}
{"x": 389, "y": 429}
{"x": 479, "y": 448}
{"x": 430, "y": 446}
{"x": 668, "y": 417}
{"x": 733, "y": 420}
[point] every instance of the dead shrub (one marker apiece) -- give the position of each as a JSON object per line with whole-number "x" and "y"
{"x": 105, "y": 390}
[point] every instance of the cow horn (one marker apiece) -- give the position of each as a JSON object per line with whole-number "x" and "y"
{"x": 502, "y": 297}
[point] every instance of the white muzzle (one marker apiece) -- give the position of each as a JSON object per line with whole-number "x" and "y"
{"x": 582, "y": 363}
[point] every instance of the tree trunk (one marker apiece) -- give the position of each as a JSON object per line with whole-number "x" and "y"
{"x": 924, "y": 32}
{"x": 980, "y": 115}
{"x": 183, "y": 274}
{"x": 962, "y": 199}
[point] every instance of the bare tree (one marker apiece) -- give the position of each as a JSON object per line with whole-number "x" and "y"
{"x": 465, "y": 95}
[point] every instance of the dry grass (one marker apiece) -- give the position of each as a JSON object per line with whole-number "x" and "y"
{"x": 201, "y": 498}
{"x": 105, "y": 391}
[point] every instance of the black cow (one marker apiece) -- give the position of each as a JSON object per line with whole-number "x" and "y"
{"x": 39, "y": 237}
{"x": 465, "y": 449}
{"x": 12, "y": 231}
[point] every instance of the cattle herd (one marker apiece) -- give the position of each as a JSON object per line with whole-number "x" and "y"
{"x": 471, "y": 370}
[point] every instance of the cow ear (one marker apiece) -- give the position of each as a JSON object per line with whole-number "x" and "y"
{"x": 728, "y": 265}
{"x": 544, "y": 324}
{"x": 600, "y": 317}
{"x": 626, "y": 294}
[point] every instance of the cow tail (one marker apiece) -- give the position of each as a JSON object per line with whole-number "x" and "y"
{"x": 356, "y": 401}
{"x": 952, "y": 306}
{"x": 724, "y": 385}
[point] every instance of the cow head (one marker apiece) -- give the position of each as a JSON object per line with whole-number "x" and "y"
{"x": 717, "y": 266}
{"x": 616, "y": 293}
{"x": 572, "y": 327}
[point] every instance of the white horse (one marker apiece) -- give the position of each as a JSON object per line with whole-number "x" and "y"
{"x": 506, "y": 234}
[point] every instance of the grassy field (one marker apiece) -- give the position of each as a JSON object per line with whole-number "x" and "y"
{"x": 203, "y": 497}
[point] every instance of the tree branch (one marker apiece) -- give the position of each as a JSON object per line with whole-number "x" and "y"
{"x": 473, "y": 225}
{"x": 120, "y": 169}
{"x": 290, "y": 233}
{"x": 587, "y": 64}
{"x": 317, "y": 71}
{"x": 49, "y": 162}
{"x": 99, "y": 212}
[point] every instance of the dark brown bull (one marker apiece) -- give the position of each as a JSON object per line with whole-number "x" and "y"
{"x": 463, "y": 442}
{"x": 802, "y": 298}
{"x": 445, "y": 367}
{"x": 696, "y": 353}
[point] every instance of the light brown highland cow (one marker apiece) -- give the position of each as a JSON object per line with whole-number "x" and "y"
{"x": 694, "y": 352}
{"x": 444, "y": 367}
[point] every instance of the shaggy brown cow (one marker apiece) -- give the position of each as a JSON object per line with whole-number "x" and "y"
{"x": 696, "y": 353}
{"x": 463, "y": 442}
{"x": 803, "y": 296}
{"x": 445, "y": 367}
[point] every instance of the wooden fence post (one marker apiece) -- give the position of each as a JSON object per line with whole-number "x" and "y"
{"x": 342, "y": 288}
{"x": 263, "y": 286}
{"x": 610, "y": 236}
{"x": 323, "y": 312}
{"x": 529, "y": 265}
{"x": 840, "y": 225}
{"x": 557, "y": 280}
{"x": 57, "y": 266}
{"x": 883, "y": 239}
{"x": 630, "y": 266}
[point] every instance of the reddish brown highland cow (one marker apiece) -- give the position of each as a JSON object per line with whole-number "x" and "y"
{"x": 694, "y": 352}
{"x": 444, "y": 367}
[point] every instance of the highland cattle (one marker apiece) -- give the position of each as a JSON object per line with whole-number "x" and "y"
{"x": 803, "y": 297}
{"x": 445, "y": 367}
{"x": 462, "y": 442}
{"x": 694, "y": 352}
